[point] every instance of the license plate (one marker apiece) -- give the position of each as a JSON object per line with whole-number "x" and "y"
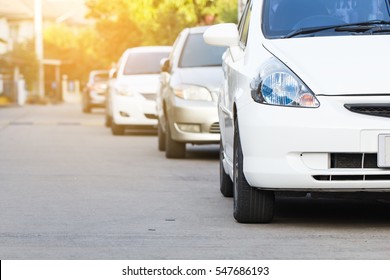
{"x": 384, "y": 151}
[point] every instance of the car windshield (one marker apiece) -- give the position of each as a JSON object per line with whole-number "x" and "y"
{"x": 282, "y": 18}
{"x": 141, "y": 63}
{"x": 101, "y": 77}
{"x": 197, "y": 53}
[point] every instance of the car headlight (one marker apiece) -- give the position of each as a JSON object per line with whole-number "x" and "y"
{"x": 125, "y": 91}
{"x": 191, "y": 92}
{"x": 278, "y": 85}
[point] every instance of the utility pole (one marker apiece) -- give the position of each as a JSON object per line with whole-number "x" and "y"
{"x": 38, "y": 30}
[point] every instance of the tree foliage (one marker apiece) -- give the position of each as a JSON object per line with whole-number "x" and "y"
{"x": 127, "y": 23}
{"x": 121, "y": 24}
{"x": 23, "y": 56}
{"x": 79, "y": 49}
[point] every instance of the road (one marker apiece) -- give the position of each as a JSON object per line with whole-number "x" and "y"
{"x": 71, "y": 190}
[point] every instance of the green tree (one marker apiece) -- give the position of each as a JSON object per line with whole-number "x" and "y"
{"x": 227, "y": 11}
{"x": 79, "y": 49}
{"x": 23, "y": 56}
{"x": 116, "y": 24}
{"x": 122, "y": 24}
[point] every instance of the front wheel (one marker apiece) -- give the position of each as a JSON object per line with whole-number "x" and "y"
{"x": 161, "y": 137}
{"x": 108, "y": 121}
{"x": 226, "y": 184}
{"x": 117, "y": 129}
{"x": 86, "y": 106}
{"x": 173, "y": 149}
{"x": 251, "y": 205}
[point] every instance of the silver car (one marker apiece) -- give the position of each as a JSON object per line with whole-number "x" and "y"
{"x": 187, "y": 99}
{"x": 94, "y": 92}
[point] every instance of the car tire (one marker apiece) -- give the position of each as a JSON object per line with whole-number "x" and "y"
{"x": 226, "y": 184}
{"x": 117, "y": 129}
{"x": 108, "y": 121}
{"x": 173, "y": 149}
{"x": 161, "y": 138}
{"x": 86, "y": 106}
{"x": 251, "y": 205}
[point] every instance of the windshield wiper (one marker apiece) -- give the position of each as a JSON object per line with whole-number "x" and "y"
{"x": 308, "y": 30}
{"x": 362, "y": 26}
{"x": 379, "y": 30}
{"x": 351, "y": 27}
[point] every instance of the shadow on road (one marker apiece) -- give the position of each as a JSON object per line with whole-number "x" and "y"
{"x": 140, "y": 132}
{"x": 96, "y": 111}
{"x": 348, "y": 212}
{"x": 208, "y": 152}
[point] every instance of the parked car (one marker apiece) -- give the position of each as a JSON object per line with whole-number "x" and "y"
{"x": 93, "y": 94}
{"x": 186, "y": 102}
{"x": 131, "y": 100}
{"x": 305, "y": 103}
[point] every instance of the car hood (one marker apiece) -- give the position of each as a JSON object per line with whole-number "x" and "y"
{"x": 209, "y": 77}
{"x": 342, "y": 65}
{"x": 140, "y": 83}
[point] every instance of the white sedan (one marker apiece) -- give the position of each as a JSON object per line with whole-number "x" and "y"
{"x": 305, "y": 104}
{"x": 132, "y": 90}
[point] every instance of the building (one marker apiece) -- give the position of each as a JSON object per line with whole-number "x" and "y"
{"x": 17, "y": 26}
{"x": 69, "y": 11}
{"x": 15, "y": 23}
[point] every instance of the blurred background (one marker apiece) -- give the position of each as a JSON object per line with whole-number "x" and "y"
{"x": 48, "y": 47}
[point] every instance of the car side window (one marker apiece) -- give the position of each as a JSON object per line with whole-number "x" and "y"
{"x": 242, "y": 19}
{"x": 174, "y": 51}
{"x": 244, "y": 24}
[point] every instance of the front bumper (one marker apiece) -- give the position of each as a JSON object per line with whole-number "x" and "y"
{"x": 202, "y": 114}
{"x": 97, "y": 98}
{"x": 133, "y": 111}
{"x": 291, "y": 148}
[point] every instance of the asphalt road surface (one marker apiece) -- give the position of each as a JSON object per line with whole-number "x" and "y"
{"x": 71, "y": 190}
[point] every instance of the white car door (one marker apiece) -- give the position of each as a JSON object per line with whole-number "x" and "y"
{"x": 234, "y": 60}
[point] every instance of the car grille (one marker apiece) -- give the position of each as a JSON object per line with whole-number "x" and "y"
{"x": 358, "y": 160}
{"x": 214, "y": 128}
{"x": 352, "y": 177}
{"x": 380, "y": 110}
{"x": 149, "y": 96}
{"x": 353, "y": 161}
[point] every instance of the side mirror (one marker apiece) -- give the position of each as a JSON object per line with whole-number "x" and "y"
{"x": 165, "y": 64}
{"x": 113, "y": 74}
{"x": 224, "y": 34}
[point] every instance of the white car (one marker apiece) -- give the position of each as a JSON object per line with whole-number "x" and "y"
{"x": 305, "y": 105}
{"x": 132, "y": 90}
